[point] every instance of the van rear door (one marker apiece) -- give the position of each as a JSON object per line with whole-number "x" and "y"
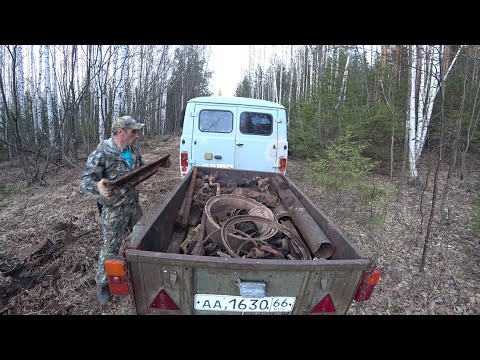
{"x": 256, "y": 139}
{"x": 213, "y": 142}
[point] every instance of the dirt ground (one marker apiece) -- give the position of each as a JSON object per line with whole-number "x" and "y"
{"x": 50, "y": 238}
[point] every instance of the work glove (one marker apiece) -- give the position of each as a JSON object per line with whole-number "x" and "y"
{"x": 105, "y": 189}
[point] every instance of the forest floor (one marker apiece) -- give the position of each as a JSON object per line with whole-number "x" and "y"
{"x": 50, "y": 238}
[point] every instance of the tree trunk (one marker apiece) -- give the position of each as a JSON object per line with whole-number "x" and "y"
{"x": 444, "y": 209}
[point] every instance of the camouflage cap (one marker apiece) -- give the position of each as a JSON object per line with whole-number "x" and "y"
{"x": 126, "y": 122}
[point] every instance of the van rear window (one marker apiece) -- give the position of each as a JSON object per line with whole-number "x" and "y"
{"x": 256, "y": 123}
{"x": 215, "y": 121}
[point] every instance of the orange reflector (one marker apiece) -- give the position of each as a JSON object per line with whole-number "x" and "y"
{"x": 367, "y": 285}
{"x": 374, "y": 277}
{"x": 163, "y": 301}
{"x": 115, "y": 267}
{"x": 324, "y": 306}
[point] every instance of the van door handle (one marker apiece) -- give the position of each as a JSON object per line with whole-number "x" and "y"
{"x": 239, "y": 144}
{"x": 218, "y": 157}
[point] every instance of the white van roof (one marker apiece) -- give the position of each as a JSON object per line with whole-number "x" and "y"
{"x": 236, "y": 100}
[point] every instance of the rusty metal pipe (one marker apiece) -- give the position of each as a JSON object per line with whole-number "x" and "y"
{"x": 317, "y": 240}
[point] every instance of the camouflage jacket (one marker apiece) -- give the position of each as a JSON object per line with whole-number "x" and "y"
{"x": 106, "y": 162}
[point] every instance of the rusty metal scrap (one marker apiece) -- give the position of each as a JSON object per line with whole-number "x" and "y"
{"x": 265, "y": 198}
{"x": 288, "y": 224}
{"x": 317, "y": 241}
{"x": 199, "y": 249}
{"x": 191, "y": 239}
{"x": 184, "y": 213}
{"x": 264, "y": 251}
{"x": 261, "y": 243}
{"x": 263, "y": 184}
{"x": 281, "y": 212}
{"x": 195, "y": 214}
{"x": 142, "y": 173}
{"x": 219, "y": 209}
{"x": 265, "y": 215}
{"x": 177, "y": 240}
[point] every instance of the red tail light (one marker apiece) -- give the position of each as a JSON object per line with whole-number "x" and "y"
{"x": 283, "y": 165}
{"x": 163, "y": 301}
{"x": 116, "y": 276}
{"x": 324, "y": 306}
{"x": 184, "y": 161}
{"x": 367, "y": 284}
{"x": 118, "y": 285}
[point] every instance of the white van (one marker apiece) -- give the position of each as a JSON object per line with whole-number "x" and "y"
{"x": 235, "y": 133}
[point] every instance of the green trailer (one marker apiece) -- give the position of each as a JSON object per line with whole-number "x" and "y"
{"x": 162, "y": 282}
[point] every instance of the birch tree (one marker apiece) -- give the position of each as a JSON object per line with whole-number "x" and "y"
{"x": 102, "y": 97}
{"x": 422, "y": 97}
{"x": 292, "y": 68}
{"x": 411, "y": 118}
{"x": 51, "y": 129}
{"x": 77, "y": 82}
{"x": 119, "y": 80}
{"x": 20, "y": 84}
{"x": 3, "y": 126}
{"x": 33, "y": 93}
{"x": 341, "y": 97}
{"x": 38, "y": 99}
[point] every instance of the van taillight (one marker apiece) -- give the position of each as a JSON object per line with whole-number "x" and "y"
{"x": 283, "y": 165}
{"x": 184, "y": 161}
{"x": 115, "y": 270}
{"x": 367, "y": 284}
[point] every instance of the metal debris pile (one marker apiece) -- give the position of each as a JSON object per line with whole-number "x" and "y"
{"x": 257, "y": 218}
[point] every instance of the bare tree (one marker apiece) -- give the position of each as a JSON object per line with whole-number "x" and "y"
{"x": 472, "y": 126}
{"x": 444, "y": 209}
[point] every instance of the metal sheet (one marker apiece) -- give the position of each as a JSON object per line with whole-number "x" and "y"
{"x": 142, "y": 173}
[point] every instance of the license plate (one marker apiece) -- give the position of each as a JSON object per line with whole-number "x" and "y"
{"x": 223, "y": 166}
{"x": 243, "y": 304}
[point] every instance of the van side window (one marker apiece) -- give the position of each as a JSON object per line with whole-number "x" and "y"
{"x": 256, "y": 123}
{"x": 215, "y": 121}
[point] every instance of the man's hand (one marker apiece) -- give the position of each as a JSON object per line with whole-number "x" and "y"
{"x": 105, "y": 189}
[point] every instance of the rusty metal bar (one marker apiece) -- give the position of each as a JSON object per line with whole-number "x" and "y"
{"x": 188, "y": 199}
{"x": 177, "y": 239}
{"x": 317, "y": 241}
{"x": 142, "y": 173}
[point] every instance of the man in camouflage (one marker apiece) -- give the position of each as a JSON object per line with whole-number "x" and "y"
{"x": 119, "y": 206}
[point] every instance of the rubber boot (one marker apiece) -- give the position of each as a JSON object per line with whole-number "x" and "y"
{"x": 103, "y": 294}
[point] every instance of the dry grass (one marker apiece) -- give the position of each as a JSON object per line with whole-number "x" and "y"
{"x": 61, "y": 214}
{"x": 63, "y": 283}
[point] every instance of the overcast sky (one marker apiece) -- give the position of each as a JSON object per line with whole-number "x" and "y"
{"x": 228, "y": 63}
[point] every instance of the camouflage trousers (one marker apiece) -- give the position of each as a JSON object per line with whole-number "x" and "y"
{"x": 116, "y": 220}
